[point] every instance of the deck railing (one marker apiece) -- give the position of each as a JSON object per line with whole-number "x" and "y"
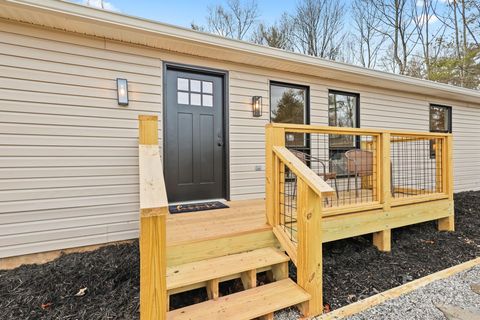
{"x": 315, "y": 172}
{"x": 153, "y": 212}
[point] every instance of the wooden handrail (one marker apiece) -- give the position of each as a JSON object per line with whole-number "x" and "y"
{"x": 304, "y": 128}
{"x": 153, "y": 212}
{"x": 302, "y": 171}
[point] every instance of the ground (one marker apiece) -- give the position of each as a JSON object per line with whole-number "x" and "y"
{"x": 450, "y": 293}
{"x": 353, "y": 270}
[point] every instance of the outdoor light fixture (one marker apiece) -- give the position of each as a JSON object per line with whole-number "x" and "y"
{"x": 257, "y": 106}
{"x": 122, "y": 92}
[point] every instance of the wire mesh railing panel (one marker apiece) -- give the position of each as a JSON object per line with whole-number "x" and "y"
{"x": 347, "y": 162}
{"x": 416, "y": 165}
{"x": 288, "y": 203}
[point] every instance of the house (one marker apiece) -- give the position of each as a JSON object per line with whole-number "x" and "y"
{"x": 74, "y": 80}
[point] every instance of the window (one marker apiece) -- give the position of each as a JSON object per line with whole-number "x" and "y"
{"x": 440, "y": 121}
{"x": 289, "y": 104}
{"x": 343, "y": 111}
{"x": 194, "y": 92}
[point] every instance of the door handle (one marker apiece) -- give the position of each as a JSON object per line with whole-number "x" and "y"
{"x": 220, "y": 144}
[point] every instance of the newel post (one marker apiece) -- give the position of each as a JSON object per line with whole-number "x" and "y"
{"x": 382, "y": 238}
{"x": 153, "y": 211}
{"x": 274, "y": 136}
{"x": 309, "y": 248}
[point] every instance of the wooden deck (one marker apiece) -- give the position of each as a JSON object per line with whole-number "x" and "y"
{"x": 241, "y": 217}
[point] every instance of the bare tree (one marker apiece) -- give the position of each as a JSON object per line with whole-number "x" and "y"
{"x": 430, "y": 39}
{"x": 397, "y": 26}
{"x": 369, "y": 39}
{"x": 278, "y": 35}
{"x": 234, "y": 21}
{"x": 317, "y": 27}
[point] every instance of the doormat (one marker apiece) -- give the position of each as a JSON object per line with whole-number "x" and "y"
{"x": 201, "y": 206}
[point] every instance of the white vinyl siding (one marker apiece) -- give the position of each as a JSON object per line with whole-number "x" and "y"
{"x": 68, "y": 151}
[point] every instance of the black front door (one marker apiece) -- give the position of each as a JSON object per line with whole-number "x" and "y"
{"x": 194, "y": 132}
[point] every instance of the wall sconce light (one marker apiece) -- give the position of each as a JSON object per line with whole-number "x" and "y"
{"x": 257, "y": 106}
{"x": 122, "y": 92}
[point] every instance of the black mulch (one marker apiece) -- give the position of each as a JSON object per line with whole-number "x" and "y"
{"x": 353, "y": 270}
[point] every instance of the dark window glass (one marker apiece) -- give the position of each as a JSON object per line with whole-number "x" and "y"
{"x": 440, "y": 119}
{"x": 343, "y": 108}
{"x": 288, "y": 104}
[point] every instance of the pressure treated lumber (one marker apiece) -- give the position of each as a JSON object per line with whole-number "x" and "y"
{"x": 153, "y": 230}
{"x": 382, "y": 240}
{"x": 248, "y": 304}
{"x": 215, "y": 268}
{"x": 309, "y": 248}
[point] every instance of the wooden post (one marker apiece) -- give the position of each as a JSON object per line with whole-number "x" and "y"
{"x": 153, "y": 211}
{"x": 309, "y": 248}
{"x": 448, "y": 223}
{"x": 382, "y": 239}
{"x": 274, "y": 136}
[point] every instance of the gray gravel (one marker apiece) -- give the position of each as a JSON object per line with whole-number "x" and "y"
{"x": 419, "y": 304}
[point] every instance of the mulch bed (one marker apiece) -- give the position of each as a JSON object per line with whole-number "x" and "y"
{"x": 353, "y": 270}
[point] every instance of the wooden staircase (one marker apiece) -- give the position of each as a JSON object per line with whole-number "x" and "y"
{"x": 251, "y": 303}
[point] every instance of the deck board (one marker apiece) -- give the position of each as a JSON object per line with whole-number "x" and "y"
{"x": 242, "y": 217}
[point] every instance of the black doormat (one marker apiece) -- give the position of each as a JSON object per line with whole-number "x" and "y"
{"x": 201, "y": 206}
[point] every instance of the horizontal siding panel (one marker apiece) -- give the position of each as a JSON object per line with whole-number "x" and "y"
{"x": 58, "y": 234}
{"x": 66, "y": 192}
{"x": 65, "y": 171}
{"x": 54, "y": 203}
{"x": 38, "y": 55}
{"x": 15, "y": 151}
{"x": 76, "y": 50}
{"x": 73, "y": 90}
{"x": 76, "y": 80}
{"x": 33, "y": 161}
{"x": 64, "y": 182}
{"x": 58, "y": 130}
{"x": 55, "y": 98}
{"x": 67, "y": 212}
{"x": 59, "y": 67}
{"x": 42, "y": 140}
{"x": 68, "y": 223}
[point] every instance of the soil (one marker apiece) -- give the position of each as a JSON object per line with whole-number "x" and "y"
{"x": 353, "y": 270}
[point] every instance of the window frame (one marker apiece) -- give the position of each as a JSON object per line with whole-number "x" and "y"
{"x": 449, "y": 130}
{"x": 290, "y": 85}
{"x": 335, "y": 150}
{"x": 449, "y": 112}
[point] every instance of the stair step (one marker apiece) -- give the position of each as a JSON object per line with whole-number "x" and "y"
{"x": 248, "y": 304}
{"x": 191, "y": 273}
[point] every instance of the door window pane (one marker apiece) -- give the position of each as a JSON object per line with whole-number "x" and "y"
{"x": 182, "y": 84}
{"x": 288, "y": 104}
{"x": 207, "y": 87}
{"x": 195, "y": 85}
{"x": 195, "y": 99}
{"x": 182, "y": 97}
{"x": 207, "y": 100}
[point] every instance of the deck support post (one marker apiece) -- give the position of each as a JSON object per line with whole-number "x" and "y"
{"x": 446, "y": 224}
{"x": 309, "y": 254}
{"x": 153, "y": 214}
{"x": 382, "y": 240}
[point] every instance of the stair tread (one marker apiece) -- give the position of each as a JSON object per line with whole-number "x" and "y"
{"x": 248, "y": 304}
{"x": 200, "y": 271}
